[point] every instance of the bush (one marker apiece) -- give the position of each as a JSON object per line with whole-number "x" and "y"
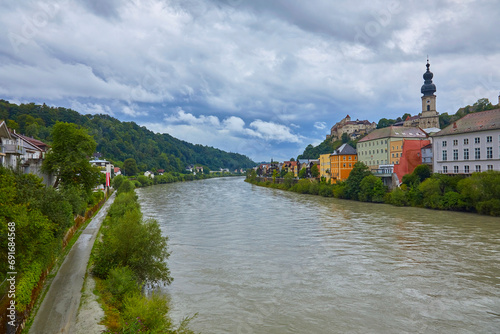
{"x": 144, "y": 180}
{"x": 452, "y": 201}
{"x": 126, "y": 186}
{"x": 152, "y": 312}
{"x": 117, "y": 181}
{"x": 301, "y": 187}
{"x": 490, "y": 207}
{"x": 325, "y": 190}
{"x": 340, "y": 190}
{"x": 372, "y": 189}
{"x": 397, "y": 197}
{"x": 130, "y": 242}
{"x": 121, "y": 282}
{"x": 75, "y": 198}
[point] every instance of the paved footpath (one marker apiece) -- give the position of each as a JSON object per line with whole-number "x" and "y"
{"x": 57, "y": 313}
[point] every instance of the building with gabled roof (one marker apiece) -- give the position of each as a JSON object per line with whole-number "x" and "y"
{"x": 384, "y": 146}
{"x": 336, "y": 167}
{"x": 342, "y": 162}
{"x": 470, "y": 144}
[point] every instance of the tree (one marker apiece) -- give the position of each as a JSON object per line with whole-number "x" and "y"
{"x": 314, "y": 171}
{"x": 372, "y": 189}
{"x": 68, "y": 157}
{"x": 482, "y": 105}
{"x": 345, "y": 138}
{"x": 288, "y": 179}
{"x": 353, "y": 182}
{"x": 302, "y": 173}
{"x": 130, "y": 167}
{"x": 423, "y": 172}
{"x": 384, "y": 123}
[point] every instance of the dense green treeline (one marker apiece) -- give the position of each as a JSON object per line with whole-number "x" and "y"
{"x": 479, "y": 193}
{"x": 132, "y": 252}
{"x": 118, "y": 141}
{"x": 40, "y": 215}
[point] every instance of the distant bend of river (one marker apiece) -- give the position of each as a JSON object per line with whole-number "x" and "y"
{"x": 249, "y": 259}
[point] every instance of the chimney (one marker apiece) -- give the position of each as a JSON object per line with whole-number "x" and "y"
{"x": 454, "y": 125}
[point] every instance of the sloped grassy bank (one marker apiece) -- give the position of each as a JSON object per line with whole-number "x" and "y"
{"x": 132, "y": 253}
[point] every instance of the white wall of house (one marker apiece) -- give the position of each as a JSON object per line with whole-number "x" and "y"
{"x": 467, "y": 153}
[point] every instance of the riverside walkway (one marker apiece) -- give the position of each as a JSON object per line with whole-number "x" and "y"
{"x": 57, "y": 313}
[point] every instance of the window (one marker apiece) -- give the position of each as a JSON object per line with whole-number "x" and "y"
{"x": 490, "y": 167}
{"x": 489, "y": 153}
{"x": 477, "y": 153}
{"x": 466, "y": 169}
{"x": 428, "y": 108}
{"x": 489, "y": 139}
{"x": 477, "y": 140}
{"x": 466, "y": 154}
{"x": 350, "y": 157}
{"x": 455, "y": 169}
{"x": 455, "y": 142}
{"x": 445, "y": 169}
{"x": 466, "y": 141}
{"x": 397, "y": 155}
{"x": 344, "y": 165}
{"x": 455, "y": 155}
{"x": 445, "y": 155}
{"x": 393, "y": 155}
{"x": 444, "y": 143}
{"x": 478, "y": 168}
{"x": 350, "y": 165}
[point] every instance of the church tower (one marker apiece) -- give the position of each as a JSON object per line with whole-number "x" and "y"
{"x": 429, "y": 117}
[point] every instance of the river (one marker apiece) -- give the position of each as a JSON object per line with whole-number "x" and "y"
{"x": 250, "y": 259}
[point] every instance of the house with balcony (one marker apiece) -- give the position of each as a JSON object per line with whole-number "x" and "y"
{"x": 471, "y": 144}
{"x": 11, "y": 147}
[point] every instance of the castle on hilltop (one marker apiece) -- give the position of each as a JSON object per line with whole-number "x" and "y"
{"x": 353, "y": 128}
{"x": 427, "y": 119}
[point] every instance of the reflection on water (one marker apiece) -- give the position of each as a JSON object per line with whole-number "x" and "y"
{"x": 255, "y": 260}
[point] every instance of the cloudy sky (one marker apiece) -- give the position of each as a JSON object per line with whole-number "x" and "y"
{"x": 264, "y": 78}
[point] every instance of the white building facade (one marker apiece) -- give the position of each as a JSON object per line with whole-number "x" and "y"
{"x": 471, "y": 144}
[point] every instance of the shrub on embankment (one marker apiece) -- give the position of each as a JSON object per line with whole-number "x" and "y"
{"x": 40, "y": 221}
{"x": 133, "y": 253}
{"x": 479, "y": 193}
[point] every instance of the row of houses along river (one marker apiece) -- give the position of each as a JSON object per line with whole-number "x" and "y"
{"x": 256, "y": 260}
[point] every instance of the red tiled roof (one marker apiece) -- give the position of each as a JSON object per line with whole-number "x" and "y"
{"x": 395, "y": 132}
{"x": 479, "y": 121}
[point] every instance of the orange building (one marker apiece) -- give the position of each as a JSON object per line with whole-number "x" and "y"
{"x": 410, "y": 158}
{"x": 342, "y": 162}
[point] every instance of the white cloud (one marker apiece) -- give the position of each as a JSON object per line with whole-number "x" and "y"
{"x": 269, "y": 72}
{"x": 131, "y": 111}
{"x": 320, "y": 125}
{"x": 91, "y": 108}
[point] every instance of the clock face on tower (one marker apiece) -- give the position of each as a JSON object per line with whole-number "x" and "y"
{"x": 428, "y": 101}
